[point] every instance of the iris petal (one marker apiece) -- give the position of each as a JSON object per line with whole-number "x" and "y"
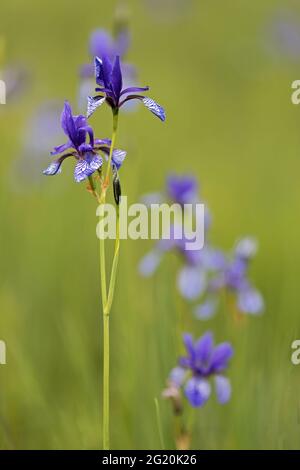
{"x": 155, "y": 108}
{"x": 98, "y": 71}
{"x": 191, "y": 282}
{"x": 204, "y": 348}
{"x": 118, "y": 157}
{"x": 223, "y": 389}
{"x": 61, "y": 148}
{"x": 250, "y": 301}
{"x": 189, "y": 344}
{"x": 54, "y": 167}
{"x": 93, "y": 104}
{"x": 206, "y": 310}
{"x": 197, "y": 391}
{"x": 149, "y": 263}
{"x": 67, "y": 122}
{"x": 116, "y": 78}
{"x": 220, "y": 357}
{"x": 134, "y": 89}
{"x": 177, "y": 376}
{"x": 85, "y": 167}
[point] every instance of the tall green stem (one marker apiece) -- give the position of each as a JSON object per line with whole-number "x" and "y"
{"x": 106, "y": 305}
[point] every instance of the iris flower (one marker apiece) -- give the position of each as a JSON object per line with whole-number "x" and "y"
{"x": 203, "y": 362}
{"x": 86, "y": 153}
{"x": 110, "y": 84}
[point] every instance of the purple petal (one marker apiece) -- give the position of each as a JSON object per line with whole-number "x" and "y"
{"x": 67, "y": 122}
{"x": 106, "y": 70}
{"x": 55, "y": 167}
{"x": 94, "y": 160}
{"x": 235, "y": 274}
{"x": 85, "y": 148}
{"x": 191, "y": 282}
{"x": 87, "y": 166}
{"x": 134, "y": 89}
{"x": 197, "y": 391}
{"x": 204, "y": 348}
{"x": 80, "y": 121}
{"x": 250, "y": 301}
{"x": 155, "y": 108}
{"x": 149, "y": 263}
{"x": 118, "y": 157}
{"x": 81, "y": 136}
{"x": 116, "y": 78}
{"x": 206, "y": 310}
{"x": 99, "y": 71}
{"x": 103, "y": 142}
{"x": 220, "y": 357}
{"x": 93, "y": 103}
{"x": 122, "y": 42}
{"x": 182, "y": 189}
{"x": 100, "y": 43}
{"x": 61, "y": 148}
{"x": 177, "y": 376}
{"x": 223, "y": 389}
{"x": 214, "y": 259}
{"x": 189, "y": 344}
{"x": 246, "y": 248}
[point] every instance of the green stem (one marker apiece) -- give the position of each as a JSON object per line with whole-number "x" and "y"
{"x": 112, "y": 146}
{"x": 114, "y": 268}
{"x": 105, "y": 382}
{"x": 158, "y": 417}
{"x": 106, "y": 306}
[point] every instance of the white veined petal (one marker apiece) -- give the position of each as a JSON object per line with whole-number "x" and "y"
{"x": 93, "y": 104}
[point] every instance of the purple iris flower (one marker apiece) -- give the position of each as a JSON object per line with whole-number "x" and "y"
{"x": 109, "y": 79}
{"x": 203, "y": 361}
{"x": 182, "y": 189}
{"x": 86, "y": 153}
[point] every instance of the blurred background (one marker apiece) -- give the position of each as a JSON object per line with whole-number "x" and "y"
{"x": 223, "y": 71}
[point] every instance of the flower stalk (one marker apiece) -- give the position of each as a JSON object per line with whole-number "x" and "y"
{"x": 107, "y": 298}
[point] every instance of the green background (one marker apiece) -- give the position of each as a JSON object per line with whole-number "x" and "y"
{"x": 226, "y": 87}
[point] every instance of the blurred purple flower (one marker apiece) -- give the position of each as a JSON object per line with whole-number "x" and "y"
{"x": 234, "y": 277}
{"x": 182, "y": 189}
{"x": 206, "y": 272}
{"x": 203, "y": 361}
{"x": 103, "y": 44}
{"x": 87, "y": 155}
{"x": 207, "y": 309}
{"x": 284, "y": 35}
{"x": 250, "y": 301}
{"x": 40, "y": 130}
{"x": 109, "y": 78}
